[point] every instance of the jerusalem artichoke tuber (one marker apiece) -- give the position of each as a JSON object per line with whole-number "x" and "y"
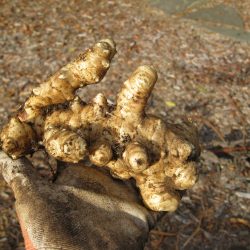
{"x": 159, "y": 156}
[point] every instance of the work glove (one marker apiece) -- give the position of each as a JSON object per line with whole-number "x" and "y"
{"x": 85, "y": 208}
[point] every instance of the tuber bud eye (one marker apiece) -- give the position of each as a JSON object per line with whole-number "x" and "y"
{"x": 100, "y": 153}
{"x": 136, "y": 157}
{"x": 66, "y": 145}
{"x": 185, "y": 176}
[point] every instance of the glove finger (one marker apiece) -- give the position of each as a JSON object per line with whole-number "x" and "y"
{"x": 19, "y": 174}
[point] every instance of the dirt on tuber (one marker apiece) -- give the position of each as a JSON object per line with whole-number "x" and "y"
{"x": 131, "y": 144}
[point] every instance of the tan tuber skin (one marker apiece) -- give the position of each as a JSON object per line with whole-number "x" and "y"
{"x": 159, "y": 156}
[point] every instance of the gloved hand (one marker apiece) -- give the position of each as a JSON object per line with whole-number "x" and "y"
{"x": 84, "y": 209}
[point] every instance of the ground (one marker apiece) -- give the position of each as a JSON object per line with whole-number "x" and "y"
{"x": 203, "y": 75}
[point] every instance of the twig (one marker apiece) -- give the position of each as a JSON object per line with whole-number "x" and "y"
{"x": 230, "y": 149}
{"x": 243, "y": 195}
{"x": 178, "y": 236}
{"x": 162, "y": 236}
{"x": 196, "y": 231}
{"x": 158, "y": 243}
{"x": 209, "y": 124}
{"x": 236, "y": 111}
{"x": 240, "y": 221}
{"x": 163, "y": 233}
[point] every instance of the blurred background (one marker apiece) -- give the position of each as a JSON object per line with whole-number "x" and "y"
{"x": 201, "y": 51}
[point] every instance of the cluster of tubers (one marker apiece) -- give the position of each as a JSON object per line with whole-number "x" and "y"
{"x": 159, "y": 156}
